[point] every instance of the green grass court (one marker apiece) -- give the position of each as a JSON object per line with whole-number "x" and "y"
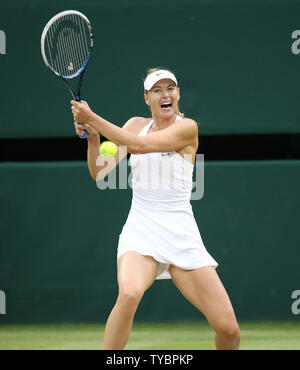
{"x": 154, "y": 336}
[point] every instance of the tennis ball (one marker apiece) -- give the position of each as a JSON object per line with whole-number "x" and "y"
{"x": 108, "y": 149}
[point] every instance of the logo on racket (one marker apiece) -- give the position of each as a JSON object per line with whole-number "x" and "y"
{"x": 70, "y": 67}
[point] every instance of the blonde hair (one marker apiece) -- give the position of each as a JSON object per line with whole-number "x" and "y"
{"x": 151, "y": 70}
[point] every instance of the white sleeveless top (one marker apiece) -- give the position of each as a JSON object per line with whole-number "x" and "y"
{"x": 164, "y": 179}
{"x": 161, "y": 223}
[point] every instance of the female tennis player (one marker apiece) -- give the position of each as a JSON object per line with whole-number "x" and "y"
{"x": 160, "y": 238}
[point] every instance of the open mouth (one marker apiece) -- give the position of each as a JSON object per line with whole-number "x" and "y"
{"x": 166, "y": 105}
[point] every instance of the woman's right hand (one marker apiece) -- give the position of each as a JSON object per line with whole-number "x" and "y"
{"x": 80, "y": 127}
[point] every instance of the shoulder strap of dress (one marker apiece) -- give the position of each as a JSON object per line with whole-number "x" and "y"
{"x": 146, "y": 129}
{"x": 149, "y": 124}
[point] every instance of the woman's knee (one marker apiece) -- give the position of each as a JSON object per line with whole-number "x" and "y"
{"x": 129, "y": 299}
{"x": 229, "y": 329}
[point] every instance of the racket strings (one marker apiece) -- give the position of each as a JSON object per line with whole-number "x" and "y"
{"x": 68, "y": 44}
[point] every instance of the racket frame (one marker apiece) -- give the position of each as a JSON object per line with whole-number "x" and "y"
{"x": 49, "y": 24}
{"x": 76, "y": 96}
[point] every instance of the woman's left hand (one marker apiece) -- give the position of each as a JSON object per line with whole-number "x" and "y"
{"x": 81, "y": 111}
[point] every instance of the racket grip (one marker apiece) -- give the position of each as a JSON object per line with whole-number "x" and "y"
{"x": 85, "y": 135}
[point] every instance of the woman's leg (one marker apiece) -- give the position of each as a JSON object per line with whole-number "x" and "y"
{"x": 136, "y": 274}
{"x": 204, "y": 289}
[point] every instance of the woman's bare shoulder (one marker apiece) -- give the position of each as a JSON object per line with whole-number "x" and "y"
{"x": 136, "y": 124}
{"x": 189, "y": 121}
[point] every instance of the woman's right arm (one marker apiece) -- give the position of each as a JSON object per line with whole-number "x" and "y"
{"x": 93, "y": 153}
{"x": 98, "y": 165}
{"x": 93, "y": 140}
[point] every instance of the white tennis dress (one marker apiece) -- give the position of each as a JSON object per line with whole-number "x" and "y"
{"x": 160, "y": 222}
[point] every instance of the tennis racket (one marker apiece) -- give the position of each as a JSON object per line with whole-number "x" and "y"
{"x": 66, "y": 45}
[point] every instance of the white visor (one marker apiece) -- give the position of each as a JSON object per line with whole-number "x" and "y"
{"x": 157, "y": 76}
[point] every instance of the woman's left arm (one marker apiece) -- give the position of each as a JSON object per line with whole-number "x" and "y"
{"x": 83, "y": 113}
{"x": 173, "y": 138}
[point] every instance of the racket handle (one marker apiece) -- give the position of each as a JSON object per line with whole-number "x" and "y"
{"x": 86, "y": 134}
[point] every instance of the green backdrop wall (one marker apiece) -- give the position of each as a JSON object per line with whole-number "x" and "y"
{"x": 233, "y": 59}
{"x": 59, "y": 235}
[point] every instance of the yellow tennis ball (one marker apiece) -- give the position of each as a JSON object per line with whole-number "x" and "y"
{"x": 108, "y": 149}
